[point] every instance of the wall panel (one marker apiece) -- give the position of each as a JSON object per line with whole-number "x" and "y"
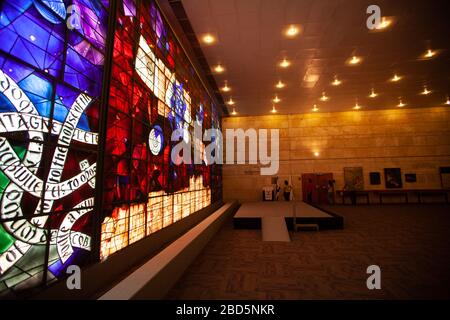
{"x": 415, "y": 140}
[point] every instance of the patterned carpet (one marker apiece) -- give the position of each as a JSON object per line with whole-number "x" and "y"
{"x": 411, "y": 244}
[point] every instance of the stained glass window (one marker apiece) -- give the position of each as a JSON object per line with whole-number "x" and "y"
{"x": 51, "y": 78}
{"x": 52, "y": 62}
{"x": 151, "y": 96}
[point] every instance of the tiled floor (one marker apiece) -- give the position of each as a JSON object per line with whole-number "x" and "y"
{"x": 411, "y": 244}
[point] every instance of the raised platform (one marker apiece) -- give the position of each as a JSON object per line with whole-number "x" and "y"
{"x": 250, "y": 214}
{"x": 274, "y": 229}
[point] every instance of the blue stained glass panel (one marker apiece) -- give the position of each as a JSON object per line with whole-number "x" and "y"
{"x": 59, "y": 70}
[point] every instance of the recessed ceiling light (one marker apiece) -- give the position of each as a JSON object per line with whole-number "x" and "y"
{"x": 425, "y": 91}
{"x": 396, "y": 78}
{"x": 208, "y": 39}
{"x": 324, "y": 97}
{"x": 315, "y": 109}
{"x": 400, "y": 103}
{"x": 276, "y": 99}
{"x": 280, "y": 85}
{"x": 316, "y": 154}
{"x": 429, "y": 54}
{"x": 292, "y": 30}
{"x": 353, "y": 61}
{"x": 231, "y": 102}
{"x": 273, "y": 110}
{"x": 285, "y": 63}
{"x": 219, "y": 68}
{"x": 336, "y": 81}
{"x": 226, "y": 88}
{"x": 385, "y": 23}
{"x": 32, "y": 38}
{"x": 373, "y": 94}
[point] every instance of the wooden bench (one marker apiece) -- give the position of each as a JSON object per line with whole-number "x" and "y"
{"x": 357, "y": 194}
{"x": 439, "y": 193}
{"x": 392, "y": 193}
{"x": 403, "y": 193}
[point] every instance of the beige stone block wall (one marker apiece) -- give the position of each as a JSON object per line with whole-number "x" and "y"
{"x": 415, "y": 140}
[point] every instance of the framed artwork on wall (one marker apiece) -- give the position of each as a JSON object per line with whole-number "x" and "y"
{"x": 393, "y": 178}
{"x": 410, "y": 177}
{"x": 353, "y": 178}
{"x": 445, "y": 177}
{"x": 375, "y": 178}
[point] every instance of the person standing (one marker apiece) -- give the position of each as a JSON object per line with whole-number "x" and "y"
{"x": 277, "y": 191}
{"x": 350, "y": 191}
{"x": 309, "y": 191}
{"x": 287, "y": 191}
{"x": 330, "y": 192}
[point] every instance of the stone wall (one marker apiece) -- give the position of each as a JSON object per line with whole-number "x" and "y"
{"x": 415, "y": 140}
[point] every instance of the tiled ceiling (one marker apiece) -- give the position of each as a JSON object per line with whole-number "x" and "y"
{"x": 251, "y": 44}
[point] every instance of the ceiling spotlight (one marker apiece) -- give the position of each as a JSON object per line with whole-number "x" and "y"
{"x": 226, "y": 88}
{"x": 425, "y": 91}
{"x": 219, "y": 68}
{"x": 373, "y": 94}
{"x": 231, "y": 102}
{"x": 336, "y": 81}
{"x": 447, "y": 102}
{"x": 285, "y": 63}
{"x": 400, "y": 103}
{"x": 280, "y": 85}
{"x": 396, "y": 78}
{"x": 357, "y": 106}
{"x": 315, "y": 109}
{"x": 292, "y": 31}
{"x": 430, "y": 54}
{"x": 324, "y": 97}
{"x": 276, "y": 99}
{"x": 273, "y": 110}
{"x": 354, "y": 60}
{"x": 233, "y": 113}
{"x": 208, "y": 39}
{"x": 385, "y": 23}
